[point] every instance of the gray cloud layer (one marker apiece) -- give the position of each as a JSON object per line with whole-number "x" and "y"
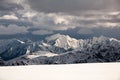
{"x": 40, "y": 17}
{"x": 72, "y": 5}
{"x": 9, "y": 5}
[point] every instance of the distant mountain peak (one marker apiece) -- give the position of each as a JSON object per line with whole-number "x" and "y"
{"x": 63, "y": 41}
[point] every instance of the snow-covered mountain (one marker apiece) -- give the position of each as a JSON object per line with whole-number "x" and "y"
{"x": 59, "y": 49}
{"x": 63, "y": 41}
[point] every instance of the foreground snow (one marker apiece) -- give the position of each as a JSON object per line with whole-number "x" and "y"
{"x": 105, "y": 71}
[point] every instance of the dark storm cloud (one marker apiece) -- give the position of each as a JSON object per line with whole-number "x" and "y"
{"x": 8, "y": 5}
{"x": 71, "y": 5}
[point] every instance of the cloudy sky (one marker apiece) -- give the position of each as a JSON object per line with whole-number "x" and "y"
{"x": 77, "y": 18}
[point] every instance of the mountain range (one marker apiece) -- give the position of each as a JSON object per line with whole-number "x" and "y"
{"x": 59, "y": 49}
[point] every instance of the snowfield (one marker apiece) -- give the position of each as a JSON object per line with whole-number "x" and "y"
{"x": 104, "y": 71}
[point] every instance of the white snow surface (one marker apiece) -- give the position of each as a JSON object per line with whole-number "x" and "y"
{"x": 20, "y": 41}
{"x": 113, "y": 39}
{"x": 104, "y": 71}
{"x": 41, "y": 53}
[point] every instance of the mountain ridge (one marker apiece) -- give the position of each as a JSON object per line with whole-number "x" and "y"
{"x": 62, "y": 49}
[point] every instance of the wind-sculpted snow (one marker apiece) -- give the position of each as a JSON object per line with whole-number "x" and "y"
{"x": 62, "y": 49}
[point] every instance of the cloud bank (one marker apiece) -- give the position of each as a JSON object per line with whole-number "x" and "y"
{"x": 43, "y": 17}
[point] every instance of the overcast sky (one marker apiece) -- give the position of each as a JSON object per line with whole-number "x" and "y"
{"x": 73, "y": 5}
{"x": 45, "y": 17}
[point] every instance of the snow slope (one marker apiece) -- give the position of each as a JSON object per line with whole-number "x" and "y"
{"x": 104, "y": 71}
